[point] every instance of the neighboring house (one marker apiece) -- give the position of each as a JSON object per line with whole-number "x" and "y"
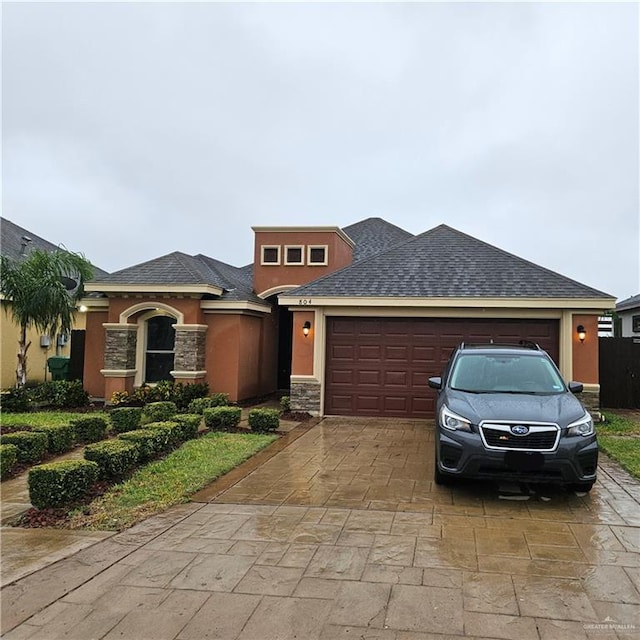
{"x": 352, "y": 321}
{"x": 629, "y": 313}
{"x": 15, "y": 243}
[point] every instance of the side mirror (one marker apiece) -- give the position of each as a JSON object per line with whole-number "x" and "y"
{"x": 576, "y": 387}
{"x": 435, "y": 383}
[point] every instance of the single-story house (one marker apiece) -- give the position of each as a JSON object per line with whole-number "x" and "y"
{"x": 15, "y": 243}
{"x": 350, "y": 321}
{"x": 628, "y": 311}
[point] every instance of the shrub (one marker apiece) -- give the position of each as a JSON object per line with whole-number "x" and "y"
{"x": 222, "y": 417}
{"x": 220, "y": 400}
{"x": 198, "y": 405}
{"x": 159, "y": 411}
{"x": 149, "y": 442}
{"x": 264, "y": 419}
{"x": 113, "y": 457}
{"x": 183, "y": 394}
{"x": 60, "y": 437}
{"x": 125, "y": 418}
{"x": 172, "y": 429}
{"x": 90, "y": 429}
{"x": 62, "y": 394}
{"x": 190, "y": 423}
{"x": 8, "y": 458}
{"x": 60, "y": 483}
{"x": 16, "y": 400}
{"x": 31, "y": 445}
{"x": 285, "y": 404}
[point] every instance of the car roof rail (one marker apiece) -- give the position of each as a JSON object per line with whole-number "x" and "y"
{"x": 529, "y": 344}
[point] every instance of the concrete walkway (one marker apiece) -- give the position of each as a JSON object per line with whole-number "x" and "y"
{"x": 343, "y": 535}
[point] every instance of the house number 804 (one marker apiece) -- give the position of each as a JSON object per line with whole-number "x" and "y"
{"x": 304, "y": 301}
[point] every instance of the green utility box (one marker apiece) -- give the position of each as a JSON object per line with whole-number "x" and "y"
{"x": 59, "y": 367}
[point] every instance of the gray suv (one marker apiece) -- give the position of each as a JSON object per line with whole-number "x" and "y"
{"x": 504, "y": 412}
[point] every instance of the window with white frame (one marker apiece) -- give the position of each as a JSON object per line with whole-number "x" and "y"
{"x": 160, "y": 345}
{"x": 270, "y": 254}
{"x": 317, "y": 255}
{"x": 294, "y": 254}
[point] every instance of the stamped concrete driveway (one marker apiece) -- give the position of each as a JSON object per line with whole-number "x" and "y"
{"x": 343, "y": 535}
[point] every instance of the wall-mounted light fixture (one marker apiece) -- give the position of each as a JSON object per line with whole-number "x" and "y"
{"x": 582, "y": 333}
{"x": 306, "y": 327}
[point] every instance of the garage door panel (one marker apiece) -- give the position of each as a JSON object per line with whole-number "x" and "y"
{"x": 396, "y": 356}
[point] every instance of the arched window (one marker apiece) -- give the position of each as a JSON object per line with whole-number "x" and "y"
{"x": 160, "y": 344}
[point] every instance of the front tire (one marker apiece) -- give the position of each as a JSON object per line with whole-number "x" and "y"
{"x": 581, "y": 487}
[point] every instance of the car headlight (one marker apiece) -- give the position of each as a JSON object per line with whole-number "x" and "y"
{"x": 583, "y": 427}
{"x": 453, "y": 421}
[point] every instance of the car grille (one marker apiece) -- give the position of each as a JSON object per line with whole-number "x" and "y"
{"x": 541, "y": 437}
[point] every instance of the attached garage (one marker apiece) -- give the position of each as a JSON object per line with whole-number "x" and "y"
{"x": 380, "y": 366}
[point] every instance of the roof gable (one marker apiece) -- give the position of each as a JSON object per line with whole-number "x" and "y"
{"x": 445, "y": 262}
{"x": 16, "y": 242}
{"x": 629, "y": 303}
{"x": 374, "y": 235}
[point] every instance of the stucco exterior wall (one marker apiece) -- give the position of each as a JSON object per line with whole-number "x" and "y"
{"x": 585, "y": 354}
{"x": 94, "y": 353}
{"x": 303, "y": 347}
{"x": 266, "y": 277}
{"x": 36, "y": 355}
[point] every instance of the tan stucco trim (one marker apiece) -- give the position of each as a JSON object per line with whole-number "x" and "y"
{"x": 120, "y": 326}
{"x": 118, "y": 373}
{"x": 336, "y": 230}
{"x": 93, "y": 303}
{"x": 190, "y": 327}
{"x": 155, "y": 307}
{"x": 592, "y": 387}
{"x": 188, "y": 375}
{"x": 594, "y": 305}
{"x": 299, "y": 378}
{"x": 217, "y": 305}
{"x": 149, "y": 289}
{"x": 277, "y": 290}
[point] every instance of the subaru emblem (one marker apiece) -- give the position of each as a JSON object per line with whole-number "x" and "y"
{"x": 520, "y": 430}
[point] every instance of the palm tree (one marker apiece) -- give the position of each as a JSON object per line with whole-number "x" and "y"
{"x": 41, "y": 291}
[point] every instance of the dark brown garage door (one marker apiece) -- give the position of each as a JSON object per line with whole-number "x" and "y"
{"x": 380, "y": 366}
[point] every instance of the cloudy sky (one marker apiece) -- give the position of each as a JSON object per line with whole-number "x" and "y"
{"x": 132, "y": 130}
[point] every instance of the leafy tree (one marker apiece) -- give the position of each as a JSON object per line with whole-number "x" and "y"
{"x": 41, "y": 291}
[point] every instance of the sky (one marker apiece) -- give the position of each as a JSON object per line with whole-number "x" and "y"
{"x": 131, "y": 130}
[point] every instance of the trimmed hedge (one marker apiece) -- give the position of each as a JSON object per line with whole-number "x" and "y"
{"x": 60, "y": 483}
{"x": 90, "y": 429}
{"x": 171, "y": 428}
{"x": 113, "y": 457}
{"x": 125, "y": 419}
{"x": 190, "y": 423}
{"x": 263, "y": 420}
{"x": 150, "y": 442}
{"x": 222, "y": 417}
{"x": 60, "y": 437}
{"x": 31, "y": 445}
{"x": 198, "y": 405}
{"x": 8, "y": 458}
{"x": 159, "y": 411}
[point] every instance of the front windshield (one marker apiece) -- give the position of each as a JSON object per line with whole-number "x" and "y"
{"x": 505, "y": 373}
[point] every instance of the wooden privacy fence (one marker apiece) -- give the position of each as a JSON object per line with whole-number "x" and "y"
{"x": 620, "y": 373}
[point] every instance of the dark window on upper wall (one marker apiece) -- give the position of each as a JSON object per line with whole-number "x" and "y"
{"x": 635, "y": 324}
{"x": 270, "y": 255}
{"x": 294, "y": 255}
{"x": 318, "y": 255}
{"x": 159, "y": 356}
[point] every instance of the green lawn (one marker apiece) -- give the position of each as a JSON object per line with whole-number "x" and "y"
{"x": 41, "y": 418}
{"x": 619, "y": 438}
{"x": 169, "y": 481}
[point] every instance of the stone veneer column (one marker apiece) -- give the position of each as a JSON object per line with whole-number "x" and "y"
{"x": 305, "y": 395}
{"x": 119, "y": 357}
{"x": 189, "y": 349}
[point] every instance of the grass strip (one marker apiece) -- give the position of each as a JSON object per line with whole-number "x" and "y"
{"x": 169, "y": 481}
{"x": 624, "y": 450}
{"x": 619, "y": 438}
{"x": 44, "y": 418}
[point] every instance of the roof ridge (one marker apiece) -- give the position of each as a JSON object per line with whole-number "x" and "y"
{"x": 513, "y": 255}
